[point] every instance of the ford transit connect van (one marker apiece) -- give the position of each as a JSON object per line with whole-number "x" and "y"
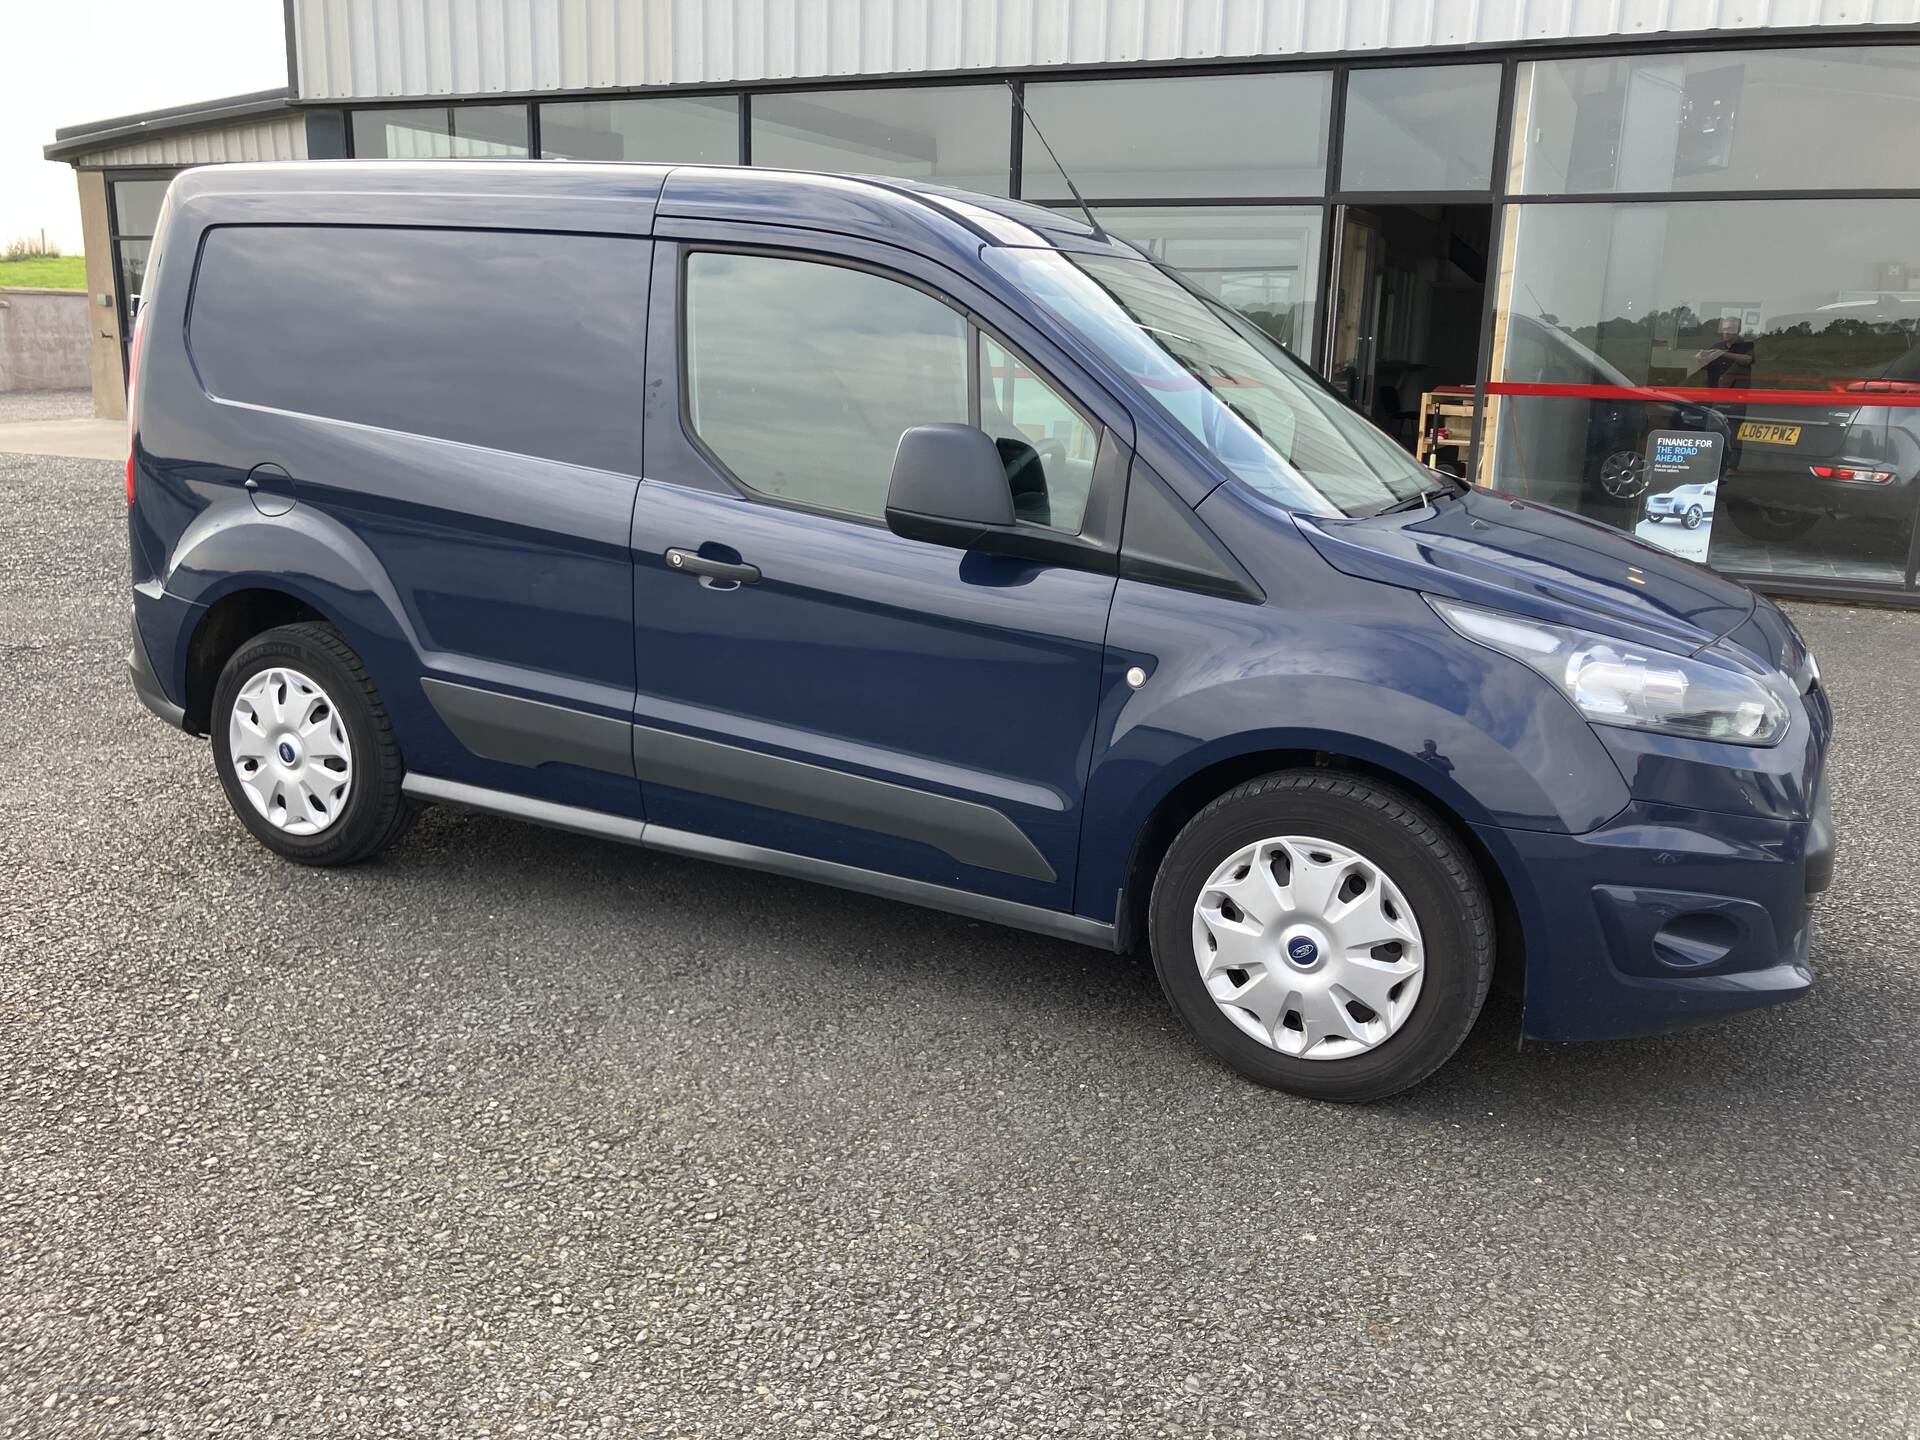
{"x": 951, "y": 550}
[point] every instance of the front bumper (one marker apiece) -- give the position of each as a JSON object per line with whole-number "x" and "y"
{"x": 1664, "y": 918}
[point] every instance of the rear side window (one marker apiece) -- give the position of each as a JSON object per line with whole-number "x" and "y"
{"x": 515, "y": 341}
{"x": 801, "y": 377}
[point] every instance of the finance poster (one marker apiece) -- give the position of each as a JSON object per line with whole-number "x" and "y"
{"x": 1683, "y": 481}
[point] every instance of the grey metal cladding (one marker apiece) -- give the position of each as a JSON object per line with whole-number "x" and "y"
{"x": 524, "y": 807}
{"x": 971, "y": 833}
{"x": 1077, "y": 928}
{"x": 892, "y": 887}
{"x": 518, "y": 731}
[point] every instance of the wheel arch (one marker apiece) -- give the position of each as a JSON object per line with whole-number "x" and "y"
{"x": 1194, "y": 791}
{"x": 249, "y": 609}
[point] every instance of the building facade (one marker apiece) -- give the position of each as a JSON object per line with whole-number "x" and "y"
{"x": 1657, "y": 261}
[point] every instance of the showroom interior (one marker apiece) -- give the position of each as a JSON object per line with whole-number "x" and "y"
{"x": 1669, "y": 281}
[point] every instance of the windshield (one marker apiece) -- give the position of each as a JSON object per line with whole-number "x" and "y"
{"x": 1256, "y": 408}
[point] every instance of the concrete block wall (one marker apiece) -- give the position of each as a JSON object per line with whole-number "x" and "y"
{"x": 44, "y": 340}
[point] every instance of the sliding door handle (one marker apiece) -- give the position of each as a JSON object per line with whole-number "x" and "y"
{"x": 692, "y": 562}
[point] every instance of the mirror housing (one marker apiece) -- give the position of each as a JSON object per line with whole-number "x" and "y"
{"x": 949, "y": 487}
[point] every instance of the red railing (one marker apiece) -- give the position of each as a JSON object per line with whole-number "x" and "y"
{"x": 1896, "y": 393}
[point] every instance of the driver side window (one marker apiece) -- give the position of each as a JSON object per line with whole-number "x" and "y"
{"x": 1047, "y": 446}
{"x": 802, "y": 375}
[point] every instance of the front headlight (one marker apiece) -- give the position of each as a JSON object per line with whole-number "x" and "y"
{"x": 1710, "y": 696}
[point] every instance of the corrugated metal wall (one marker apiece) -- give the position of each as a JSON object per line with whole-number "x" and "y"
{"x": 283, "y": 137}
{"x": 362, "y": 49}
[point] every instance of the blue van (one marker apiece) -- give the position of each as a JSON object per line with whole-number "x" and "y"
{"x": 947, "y": 549}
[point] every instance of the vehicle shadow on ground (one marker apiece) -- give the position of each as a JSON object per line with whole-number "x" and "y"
{"x": 860, "y": 944}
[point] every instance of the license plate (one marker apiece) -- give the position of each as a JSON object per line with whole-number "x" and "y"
{"x": 1762, "y": 434}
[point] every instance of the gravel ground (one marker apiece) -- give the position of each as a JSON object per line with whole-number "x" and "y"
{"x": 520, "y": 1133}
{"x": 45, "y": 405}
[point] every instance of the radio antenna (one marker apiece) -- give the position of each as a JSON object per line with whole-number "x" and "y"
{"x": 1099, "y": 232}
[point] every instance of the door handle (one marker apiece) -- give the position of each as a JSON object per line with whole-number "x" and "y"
{"x": 692, "y": 562}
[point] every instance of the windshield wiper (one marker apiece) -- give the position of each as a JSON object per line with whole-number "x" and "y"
{"x": 1425, "y": 497}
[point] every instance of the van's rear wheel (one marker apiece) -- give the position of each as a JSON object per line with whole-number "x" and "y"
{"x": 304, "y": 748}
{"x": 1323, "y": 933}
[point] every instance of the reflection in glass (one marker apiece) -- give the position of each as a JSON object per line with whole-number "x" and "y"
{"x": 802, "y": 377}
{"x": 1217, "y": 135}
{"x": 136, "y": 205}
{"x": 685, "y": 129}
{"x": 1425, "y": 128}
{"x": 1050, "y": 484}
{"x": 133, "y": 272}
{"x": 509, "y": 340}
{"x": 1262, "y": 260}
{"x": 1719, "y": 120}
{"x": 441, "y": 132}
{"x": 1659, "y": 290}
{"x": 1756, "y": 322}
{"x": 958, "y": 135}
{"x": 1248, "y": 404}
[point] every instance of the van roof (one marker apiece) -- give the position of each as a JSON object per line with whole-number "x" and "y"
{"x": 604, "y": 196}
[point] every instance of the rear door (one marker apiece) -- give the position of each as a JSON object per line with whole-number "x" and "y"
{"x": 848, "y": 695}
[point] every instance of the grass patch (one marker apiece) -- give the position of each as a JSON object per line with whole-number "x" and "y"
{"x": 46, "y": 272}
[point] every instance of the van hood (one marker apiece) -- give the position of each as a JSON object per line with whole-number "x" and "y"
{"x": 1492, "y": 549}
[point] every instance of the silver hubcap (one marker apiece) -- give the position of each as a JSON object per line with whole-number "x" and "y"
{"x": 290, "y": 751}
{"x": 1309, "y": 947}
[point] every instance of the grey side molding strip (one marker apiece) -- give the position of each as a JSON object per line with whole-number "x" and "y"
{"x": 971, "y": 833}
{"x": 521, "y": 807}
{"x": 519, "y": 731}
{"x": 582, "y": 821}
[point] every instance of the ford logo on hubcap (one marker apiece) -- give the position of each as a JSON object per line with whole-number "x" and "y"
{"x": 286, "y": 755}
{"x": 1302, "y": 951}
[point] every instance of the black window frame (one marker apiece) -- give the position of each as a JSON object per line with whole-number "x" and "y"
{"x": 975, "y": 327}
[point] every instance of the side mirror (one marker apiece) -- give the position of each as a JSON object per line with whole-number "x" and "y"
{"x": 949, "y": 486}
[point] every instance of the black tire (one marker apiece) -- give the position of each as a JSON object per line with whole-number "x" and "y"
{"x": 1766, "y": 522}
{"x": 375, "y": 813}
{"x": 1693, "y": 518}
{"x": 1423, "y": 858}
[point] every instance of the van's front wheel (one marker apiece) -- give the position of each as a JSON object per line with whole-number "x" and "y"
{"x": 1323, "y": 933}
{"x": 304, "y": 748}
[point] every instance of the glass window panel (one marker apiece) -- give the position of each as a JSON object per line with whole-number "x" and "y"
{"x": 1216, "y": 135}
{"x": 1262, "y": 260}
{"x": 136, "y": 205}
{"x": 1735, "y": 296}
{"x": 457, "y": 132}
{"x": 802, "y": 377}
{"x": 686, "y": 130}
{"x": 958, "y": 136}
{"x": 133, "y": 273}
{"x": 1425, "y": 128}
{"x": 1720, "y": 120}
{"x": 489, "y": 132}
{"x": 1050, "y": 481}
{"x": 381, "y": 327}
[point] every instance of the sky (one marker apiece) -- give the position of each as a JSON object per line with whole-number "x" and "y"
{"x": 83, "y": 60}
